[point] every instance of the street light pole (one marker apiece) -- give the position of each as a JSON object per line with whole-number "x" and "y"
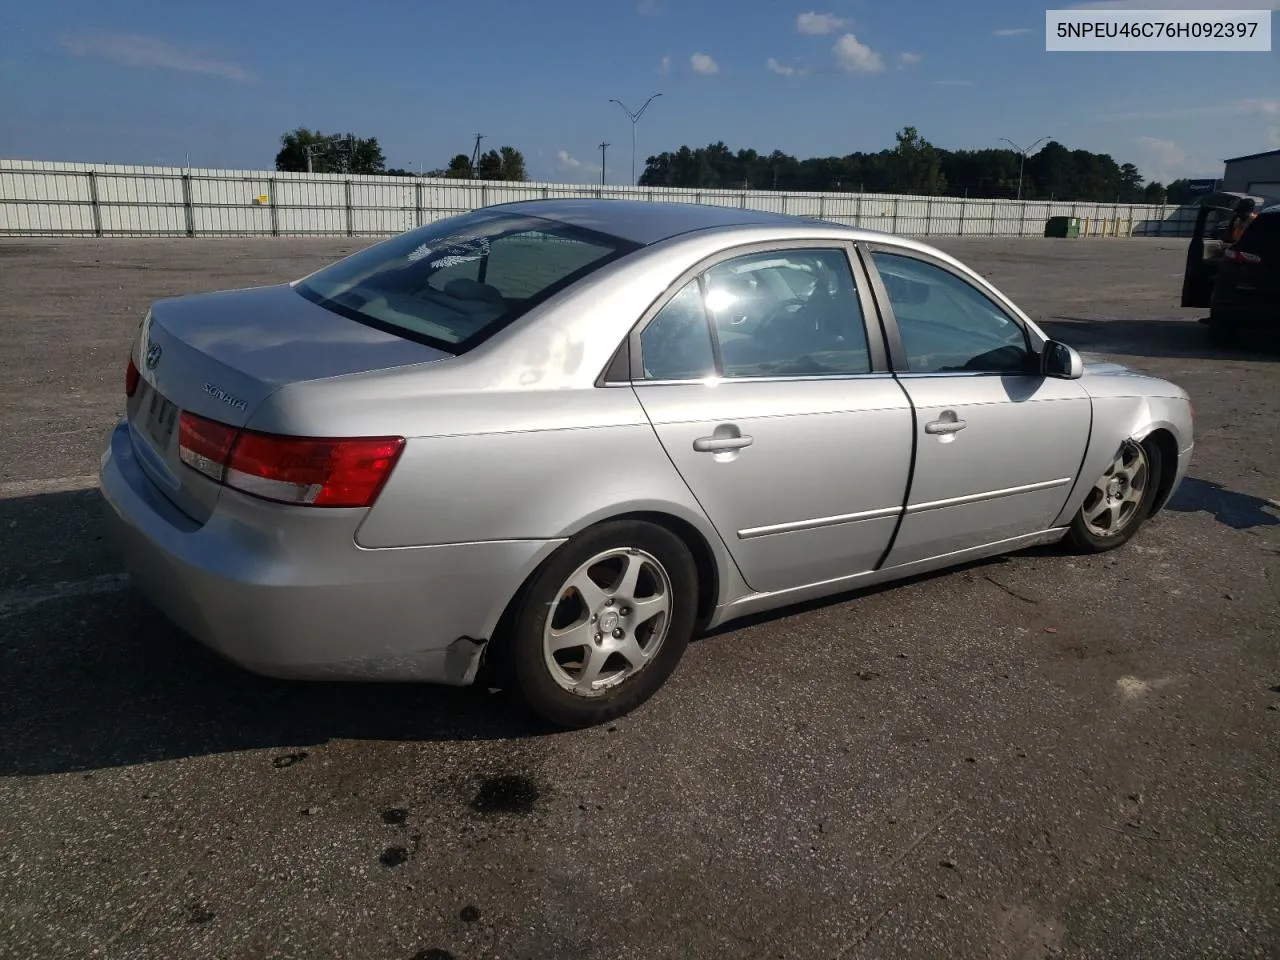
{"x": 1022, "y": 166}
{"x": 635, "y": 118}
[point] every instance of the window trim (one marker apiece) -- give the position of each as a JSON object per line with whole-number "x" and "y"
{"x": 893, "y": 335}
{"x": 877, "y": 355}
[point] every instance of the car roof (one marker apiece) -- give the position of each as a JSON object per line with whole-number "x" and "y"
{"x": 646, "y": 222}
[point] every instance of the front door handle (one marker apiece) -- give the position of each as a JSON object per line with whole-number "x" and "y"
{"x": 721, "y": 444}
{"x": 944, "y": 426}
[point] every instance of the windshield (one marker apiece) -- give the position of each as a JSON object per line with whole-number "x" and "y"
{"x": 456, "y": 282}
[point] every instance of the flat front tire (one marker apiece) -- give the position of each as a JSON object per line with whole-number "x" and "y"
{"x": 1120, "y": 501}
{"x": 603, "y": 624}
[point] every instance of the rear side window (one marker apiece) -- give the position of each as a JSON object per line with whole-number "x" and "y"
{"x": 1262, "y": 236}
{"x": 454, "y": 283}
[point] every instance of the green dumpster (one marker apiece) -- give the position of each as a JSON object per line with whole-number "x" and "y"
{"x": 1062, "y": 227}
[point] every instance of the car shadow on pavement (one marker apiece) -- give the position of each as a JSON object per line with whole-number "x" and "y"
{"x": 1240, "y": 511}
{"x": 92, "y": 676}
{"x": 1161, "y": 337}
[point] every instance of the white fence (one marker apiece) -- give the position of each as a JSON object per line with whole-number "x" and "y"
{"x": 40, "y": 198}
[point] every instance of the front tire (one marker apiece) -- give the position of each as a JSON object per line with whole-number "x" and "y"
{"x": 1120, "y": 501}
{"x": 603, "y": 624}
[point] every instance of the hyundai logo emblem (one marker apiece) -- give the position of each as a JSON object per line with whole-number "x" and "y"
{"x": 153, "y": 356}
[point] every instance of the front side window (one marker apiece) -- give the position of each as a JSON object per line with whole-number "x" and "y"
{"x": 454, "y": 282}
{"x": 947, "y": 324}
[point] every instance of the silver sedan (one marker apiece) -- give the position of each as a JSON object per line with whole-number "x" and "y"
{"x": 545, "y": 443}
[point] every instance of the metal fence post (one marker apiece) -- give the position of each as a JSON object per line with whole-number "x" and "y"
{"x": 964, "y": 205}
{"x": 743, "y": 202}
{"x": 351, "y": 220}
{"x": 928, "y": 216}
{"x": 188, "y": 211}
{"x": 275, "y": 211}
{"x": 822, "y": 206}
{"x": 417, "y": 204}
{"x": 95, "y": 205}
{"x": 784, "y": 203}
{"x": 857, "y": 212}
{"x": 1022, "y": 221}
{"x": 894, "y": 228}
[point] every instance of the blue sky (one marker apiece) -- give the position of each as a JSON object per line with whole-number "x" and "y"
{"x": 138, "y": 82}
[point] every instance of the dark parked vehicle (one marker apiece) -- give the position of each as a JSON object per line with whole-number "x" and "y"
{"x": 1213, "y": 277}
{"x": 1246, "y": 294}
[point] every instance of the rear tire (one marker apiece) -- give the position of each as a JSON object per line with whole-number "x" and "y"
{"x": 1120, "y": 501}
{"x": 604, "y": 623}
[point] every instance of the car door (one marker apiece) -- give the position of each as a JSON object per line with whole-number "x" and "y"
{"x": 1249, "y": 284}
{"x": 998, "y": 444}
{"x": 774, "y": 402}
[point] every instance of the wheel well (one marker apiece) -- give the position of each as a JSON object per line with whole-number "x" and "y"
{"x": 493, "y": 663}
{"x": 703, "y": 558}
{"x": 1163, "y": 441}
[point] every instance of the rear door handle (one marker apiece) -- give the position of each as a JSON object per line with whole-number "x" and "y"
{"x": 944, "y": 426}
{"x": 721, "y": 444}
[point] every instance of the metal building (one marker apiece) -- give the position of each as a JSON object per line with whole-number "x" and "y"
{"x": 1258, "y": 173}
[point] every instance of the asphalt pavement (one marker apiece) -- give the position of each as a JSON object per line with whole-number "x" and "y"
{"x": 1038, "y": 756}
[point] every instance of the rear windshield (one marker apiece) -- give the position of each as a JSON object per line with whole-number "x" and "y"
{"x": 1262, "y": 235}
{"x": 456, "y": 282}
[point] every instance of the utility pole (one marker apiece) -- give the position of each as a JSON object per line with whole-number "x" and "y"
{"x": 1022, "y": 166}
{"x": 635, "y": 118}
{"x": 603, "y": 148}
{"x": 475, "y": 158}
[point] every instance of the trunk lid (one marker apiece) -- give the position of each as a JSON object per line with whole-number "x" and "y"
{"x": 220, "y": 355}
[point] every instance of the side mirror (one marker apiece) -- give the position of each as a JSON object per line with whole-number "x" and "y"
{"x": 1059, "y": 360}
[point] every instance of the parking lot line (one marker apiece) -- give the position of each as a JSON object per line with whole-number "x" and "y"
{"x": 27, "y": 488}
{"x": 18, "y": 601}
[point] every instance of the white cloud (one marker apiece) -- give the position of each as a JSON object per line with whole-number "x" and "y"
{"x": 140, "y": 50}
{"x": 781, "y": 69}
{"x": 703, "y": 63}
{"x": 1161, "y": 160}
{"x": 665, "y": 66}
{"x": 649, "y": 8}
{"x": 1011, "y": 31}
{"x": 855, "y": 56}
{"x": 953, "y": 83}
{"x": 818, "y": 24}
{"x": 908, "y": 59}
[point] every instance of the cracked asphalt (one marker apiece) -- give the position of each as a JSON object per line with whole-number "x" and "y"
{"x": 1037, "y": 756}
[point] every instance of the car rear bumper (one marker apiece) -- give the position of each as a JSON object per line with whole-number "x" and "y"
{"x": 286, "y": 592}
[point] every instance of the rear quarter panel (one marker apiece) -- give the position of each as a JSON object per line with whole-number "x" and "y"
{"x": 559, "y": 462}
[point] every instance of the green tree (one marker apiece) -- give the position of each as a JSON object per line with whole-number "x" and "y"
{"x": 918, "y": 165}
{"x": 459, "y": 168}
{"x": 489, "y": 166}
{"x": 914, "y": 166}
{"x": 342, "y": 153}
{"x": 512, "y": 166}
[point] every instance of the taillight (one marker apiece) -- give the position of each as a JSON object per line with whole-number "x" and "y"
{"x": 342, "y": 472}
{"x": 205, "y": 445}
{"x": 1240, "y": 256}
{"x": 130, "y": 378}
